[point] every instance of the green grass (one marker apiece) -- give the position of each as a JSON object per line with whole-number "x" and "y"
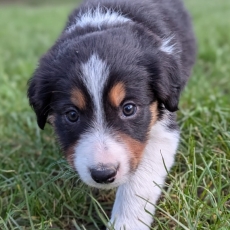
{"x": 37, "y": 188}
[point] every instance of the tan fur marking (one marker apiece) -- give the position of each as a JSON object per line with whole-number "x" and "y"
{"x": 51, "y": 119}
{"x": 154, "y": 112}
{"x": 78, "y": 98}
{"x": 69, "y": 154}
{"x": 136, "y": 149}
{"x": 117, "y": 94}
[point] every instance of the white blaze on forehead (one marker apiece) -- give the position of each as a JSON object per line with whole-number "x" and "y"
{"x": 98, "y": 146}
{"x": 95, "y": 72}
{"x": 98, "y": 17}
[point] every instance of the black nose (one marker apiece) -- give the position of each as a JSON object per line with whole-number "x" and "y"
{"x": 104, "y": 174}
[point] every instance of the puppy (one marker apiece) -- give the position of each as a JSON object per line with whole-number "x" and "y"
{"x": 110, "y": 86}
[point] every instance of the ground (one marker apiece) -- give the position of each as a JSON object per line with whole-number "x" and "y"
{"x": 37, "y": 188}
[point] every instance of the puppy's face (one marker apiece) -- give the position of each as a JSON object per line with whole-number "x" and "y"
{"x": 101, "y": 103}
{"x": 103, "y": 121}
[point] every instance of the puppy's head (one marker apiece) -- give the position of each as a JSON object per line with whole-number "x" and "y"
{"x": 103, "y": 93}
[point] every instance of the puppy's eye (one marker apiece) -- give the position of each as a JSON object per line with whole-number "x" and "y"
{"x": 72, "y": 116}
{"x": 129, "y": 109}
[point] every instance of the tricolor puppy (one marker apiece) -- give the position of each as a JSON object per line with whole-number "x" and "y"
{"x": 110, "y": 86}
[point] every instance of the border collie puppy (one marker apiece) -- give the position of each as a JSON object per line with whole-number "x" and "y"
{"x": 110, "y": 87}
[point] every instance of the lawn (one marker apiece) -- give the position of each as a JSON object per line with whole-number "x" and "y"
{"x": 37, "y": 188}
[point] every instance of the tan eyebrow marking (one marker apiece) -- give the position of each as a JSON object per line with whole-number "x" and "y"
{"x": 117, "y": 94}
{"x": 78, "y": 98}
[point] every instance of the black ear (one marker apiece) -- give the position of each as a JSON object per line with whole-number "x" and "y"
{"x": 39, "y": 94}
{"x": 165, "y": 78}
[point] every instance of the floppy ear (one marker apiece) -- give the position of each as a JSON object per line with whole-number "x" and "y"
{"x": 39, "y": 94}
{"x": 165, "y": 78}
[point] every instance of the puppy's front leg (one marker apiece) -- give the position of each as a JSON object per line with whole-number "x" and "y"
{"x": 130, "y": 207}
{"x": 134, "y": 199}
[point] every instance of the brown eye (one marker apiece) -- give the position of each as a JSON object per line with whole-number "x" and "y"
{"x": 129, "y": 109}
{"x": 72, "y": 116}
